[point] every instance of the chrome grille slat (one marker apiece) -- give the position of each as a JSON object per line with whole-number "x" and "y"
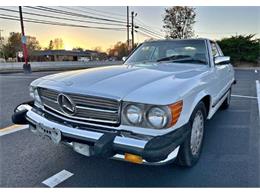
{"x": 96, "y": 109}
{"x": 97, "y": 115}
{"x": 85, "y": 101}
{"x": 88, "y": 108}
{"x": 49, "y": 99}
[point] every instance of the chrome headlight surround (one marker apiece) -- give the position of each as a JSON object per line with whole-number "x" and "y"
{"x": 141, "y": 112}
{"x": 35, "y": 95}
{"x": 158, "y": 117}
{"x": 133, "y": 114}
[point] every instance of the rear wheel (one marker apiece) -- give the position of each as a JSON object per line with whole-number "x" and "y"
{"x": 190, "y": 150}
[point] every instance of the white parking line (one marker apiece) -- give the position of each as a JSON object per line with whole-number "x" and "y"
{"x": 12, "y": 129}
{"x": 258, "y": 94}
{"x": 244, "y": 96}
{"x": 57, "y": 178}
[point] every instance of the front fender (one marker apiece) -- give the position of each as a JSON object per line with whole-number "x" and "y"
{"x": 191, "y": 101}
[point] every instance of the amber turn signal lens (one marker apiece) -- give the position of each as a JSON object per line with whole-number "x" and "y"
{"x": 133, "y": 158}
{"x": 176, "y": 109}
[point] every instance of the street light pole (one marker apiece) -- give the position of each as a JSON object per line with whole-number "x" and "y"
{"x": 26, "y": 66}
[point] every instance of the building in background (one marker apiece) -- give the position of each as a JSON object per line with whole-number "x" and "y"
{"x": 64, "y": 55}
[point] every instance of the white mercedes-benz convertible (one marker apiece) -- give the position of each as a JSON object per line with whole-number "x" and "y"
{"x": 152, "y": 109}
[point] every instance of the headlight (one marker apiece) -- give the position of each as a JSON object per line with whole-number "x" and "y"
{"x": 157, "y": 117}
{"x": 35, "y": 95}
{"x": 134, "y": 114}
{"x": 31, "y": 89}
{"x": 151, "y": 116}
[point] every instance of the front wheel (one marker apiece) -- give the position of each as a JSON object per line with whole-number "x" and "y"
{"x": 190, "y": 150}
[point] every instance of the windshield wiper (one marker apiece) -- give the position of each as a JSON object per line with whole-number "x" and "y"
{"x": 190, "y": 59}
{"x": 173, "y": 57}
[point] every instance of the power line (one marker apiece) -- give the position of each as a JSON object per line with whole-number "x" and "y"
{"x": 144, "y": 30}
{"x": 147, "y": 34}
{"x": 111, "y": 13}
{"x": 144, "y": 26}
{"x": 144, "y": 34}
{"x": 147, "y": 26}
{"x": 151, "y": 32}
{"x": 80, "y": 15}
{"x": 88, "y": 12}
{"x": 48, "y": 9}
{"x": 61, "y": 18}
{"x": 31, "y": 20}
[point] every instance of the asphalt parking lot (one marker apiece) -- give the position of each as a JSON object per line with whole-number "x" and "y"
{"x": 230, "y": 156}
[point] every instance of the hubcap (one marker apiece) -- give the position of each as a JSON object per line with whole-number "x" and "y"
{"x": 197, "y": 133}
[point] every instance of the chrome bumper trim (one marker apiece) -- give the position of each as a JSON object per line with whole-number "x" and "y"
{"x": 171, "y": 157}
{"x": 127, "y": 142}
{"x": 89, "y": 135}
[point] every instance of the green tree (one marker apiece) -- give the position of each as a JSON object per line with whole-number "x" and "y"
{"x": 1, "y": 47}
{"x": 179, "y": 21}
{"x": 77, "y": 49}
{"x": 119, "y": 50}
{"x": 242, "y": 48}
{"x": 14, "y": 44}
{"x": 50, "y": 46}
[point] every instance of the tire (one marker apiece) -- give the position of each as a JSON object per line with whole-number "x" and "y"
{"x": 190, "y": 149}
{"x": 226, "y": 103}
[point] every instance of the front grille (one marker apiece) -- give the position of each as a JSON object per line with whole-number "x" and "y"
{"x": 88, "y": 108}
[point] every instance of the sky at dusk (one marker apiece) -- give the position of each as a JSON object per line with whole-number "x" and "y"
{"x": 211, "y": 22}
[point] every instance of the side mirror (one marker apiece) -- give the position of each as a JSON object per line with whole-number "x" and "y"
{"x": 221, "y": 60}
{"x": 124, "y": 58}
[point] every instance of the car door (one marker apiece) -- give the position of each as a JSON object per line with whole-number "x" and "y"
{"x": 229, "y": 68}
{"x": 221, "y": 74}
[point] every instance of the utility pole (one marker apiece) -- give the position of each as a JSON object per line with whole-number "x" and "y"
{"x": 26, "y": 66}
{"x": 127, "y": 25}
{"x": 132, "y": 30}
{"x": 184, "y": 28}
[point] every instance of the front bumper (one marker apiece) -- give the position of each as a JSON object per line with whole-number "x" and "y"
{"x": 157, "y": 150}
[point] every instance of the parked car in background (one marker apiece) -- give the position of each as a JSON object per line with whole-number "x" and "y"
{"x": 151, "y": 110}
{"x": 83, "y": 59}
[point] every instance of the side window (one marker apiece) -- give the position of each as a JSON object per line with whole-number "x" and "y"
{"x": 219, "y": 50}
{"x": 214, "y": 49}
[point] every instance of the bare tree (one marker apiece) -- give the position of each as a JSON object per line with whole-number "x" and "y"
{"x": 178, "y": 22}
{"x": 58, "y": 43}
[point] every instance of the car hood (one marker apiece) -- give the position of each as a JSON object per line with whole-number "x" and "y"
{"x": 122, "y": 82}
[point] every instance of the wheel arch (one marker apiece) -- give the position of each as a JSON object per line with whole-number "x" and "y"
{"x": 207, "y": 101}
{"x": 205, "y": 98}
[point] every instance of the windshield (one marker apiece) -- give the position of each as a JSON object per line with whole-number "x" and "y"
{"x": 178, "y": 51}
